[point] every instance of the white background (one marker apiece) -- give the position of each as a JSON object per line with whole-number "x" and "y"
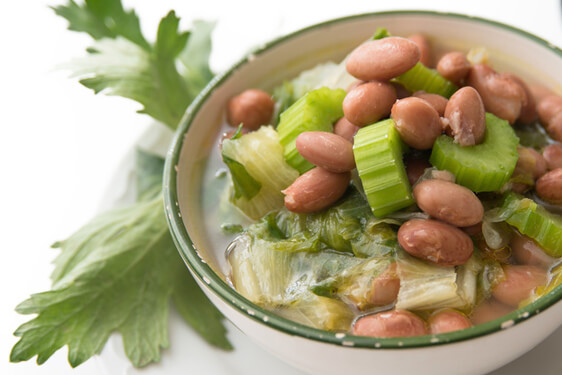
{"x": 60, "y": 144}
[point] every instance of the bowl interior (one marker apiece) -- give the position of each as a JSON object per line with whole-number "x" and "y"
{"x": 194, "y": 158}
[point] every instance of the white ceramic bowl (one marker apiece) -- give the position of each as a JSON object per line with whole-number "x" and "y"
{"x": 477, "y": 350}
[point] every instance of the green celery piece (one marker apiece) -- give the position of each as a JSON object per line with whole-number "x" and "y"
{"x": 315, "y": 111}
{"x": 423, "y": 78}
{"x": 259, "y": 171}
{"x": 116, "y": 65}
{"x": 533, "y": 220}
{"x": 378, "y": 155}
{"x": 483, "y": 167}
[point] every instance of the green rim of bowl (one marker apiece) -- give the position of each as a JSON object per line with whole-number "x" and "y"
{"x": 223, "y": 290}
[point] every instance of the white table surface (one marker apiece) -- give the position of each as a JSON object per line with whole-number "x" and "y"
{"x": 60, "y": 145}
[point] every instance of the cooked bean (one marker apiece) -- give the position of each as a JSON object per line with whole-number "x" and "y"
{"x": 394, "y": 323}
{"x": 554, "y": 128}
{"x": 454, "y": 66}
{"x": 539, "y": 92}
{"x": 489, "y": 310}
{"x": 449, "y": 202}
{"x": 528, "y": 105}
{"x": 417, "y": 122}
{"x": 448, "y": 321}
{"x": 527, "y": 251}
{"x": 368, "y": 103}
{"x": 315, "y": 190}
{"x": 549, "y": 186}
{"x": 252, "y": 108}
{"x": 383, "y": 59}
{"x": 501, "y": 95}
{"x": 519, "y": 282}
{"x": 466, "y": 117}
{"x": 435, "y": 241}
{"x": 385, "y": 287}
{"x": 345, "y": 129}
{"x": 425, "y": 49}
{"x": 552, "y": 154}
{"x": 354, "y": 84}
{"x": 326, "y": 150}
{"x": 437, "y": 101}
{"x": 473, "y": 230}
{"x": 549, "y": 108}
{"x": 401, "y": 91}
{"x": 415, "y": 168}
{"x": 530, "y": 163}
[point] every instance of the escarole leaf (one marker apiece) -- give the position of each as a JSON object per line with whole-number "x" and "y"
{"x": 160, "y": 76}
{"x": 119, "y": 273}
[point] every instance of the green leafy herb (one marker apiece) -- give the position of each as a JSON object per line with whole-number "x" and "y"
{"x": 120, "y": 271}
{"x": 121, "y": 62}
{"x": 117, "y": 273}
{"x": 380, "y": 33}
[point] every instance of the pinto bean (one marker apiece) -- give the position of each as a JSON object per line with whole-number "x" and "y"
{"x": 466, "y": 117}
{"x": 252, "y": 108}
{"x": 394, "y": 323}
{"x": 383, "y": 59}
{"x": 527, "y": 251}
{"x": 315, "y": 190}
{"x": 449, "y": 202}
{"x": 549, "y": 186}
{"x": 552, "y": 154}
{"x": 454, "y": 66}
{"x": 437, "y": 101}
{"x": 528, "y": 105}
{"x": 345, "y": 129}
{"x": 554, "y": 128}
{"x": 401, "y": 91}
{"x": 415, "y": 168}
{"x": 530, "y": 162}
{"x": 326, "y": 150}
{"x": 447, "y": 321}
{"x": 385, "y": 287}
{"x": 368, "y": 103}
{"x": 519, "y": 282}
{"x": 501, "y": 95}
{"x": 417, "y": 122}
{"x": 549, "y": 108}
{"x": 435, "y": 241}
{"x": 425, "y": 50}
{"x": 489, "y": 310}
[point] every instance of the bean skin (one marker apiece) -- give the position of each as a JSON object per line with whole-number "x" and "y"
{"x": 437, "y": 101}
{"x": 489, "y": 310}
{"x": 519, "y": 282}
{"x": 449, "y": 202}
{"x": 415, "y": 168}
{"x": 466, "y": 117}
{"x": 529, "y": 105}
{"x": 368, "y": 103}
{"x": 549, "y": 107}
{"x": 326, "y": 150}
{"x": 417, "y": 122}
{"x": 385, "y": 287}
{"x": 425, "y": 50}
{"x": 530, "y": 162}
{"x": 539, "y": 92}
{"x": 501, "y": 95}
{"x": 454, "y": 66}
{"x": 252, "y": 108}
{"x": 383, "y": 59}
{"x": 448, "y": 321}
{"x": 394, "y": 323}
{"x": 435, "y": 241}
{"x": 552, "y": 154}
{"x": 345, "y": 129}
{"x": 315, "y": 190}
{"x": 549, "y": 186}
{"x": 527, "y": 251}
